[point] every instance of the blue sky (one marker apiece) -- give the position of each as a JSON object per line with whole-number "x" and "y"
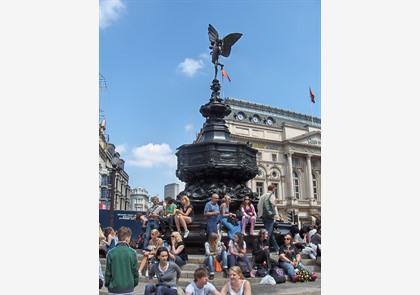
{"x": 154, "y": 56}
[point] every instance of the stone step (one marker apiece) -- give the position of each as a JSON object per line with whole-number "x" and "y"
{"x": 218, "y": 280}
{"x": 287, "y": 288}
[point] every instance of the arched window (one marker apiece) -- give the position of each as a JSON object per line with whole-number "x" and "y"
{"x": 315, "y": 186}
{"x": 296, "y": 185}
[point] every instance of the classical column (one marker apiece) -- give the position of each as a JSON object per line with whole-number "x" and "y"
{"x": 310, "y": 182}
{"x": 290, "y": 166}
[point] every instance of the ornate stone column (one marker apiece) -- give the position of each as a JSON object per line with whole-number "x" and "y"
{"x": 290, "y": 168}
{"x": 310, "y": 181}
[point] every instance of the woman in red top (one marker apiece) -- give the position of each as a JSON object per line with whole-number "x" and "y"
{"x": 248, "y": 215}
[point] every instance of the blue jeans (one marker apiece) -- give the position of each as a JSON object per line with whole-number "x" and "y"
{"x": 151, "y": 224}
{"x": 209, "y": 261}
{"x": 269, "y": 226}
{"x": 212, "y": 225}
{"x": 240, "y": 261}
{"x": 289, "y": 269}
{"x": 179, "y": 261}
{"x": 231, "y": 228}
{"x": 150, "y": 289}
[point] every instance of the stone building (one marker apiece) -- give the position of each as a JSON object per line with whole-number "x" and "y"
{"x": 139, "y": 199}
{"x": 113, "y": 180}
{"x": 289, "y": 155}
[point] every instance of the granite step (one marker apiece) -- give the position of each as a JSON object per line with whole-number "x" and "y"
{"x": 287, "y": 288}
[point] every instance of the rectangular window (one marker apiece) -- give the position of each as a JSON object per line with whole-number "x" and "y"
{"x": 274, "y": 157}
{"x": 276, "y": 189}
{"x": 104, "y": 180}
{"x": 104, "y": 193}
{"x": 260, "y": 188}
{"x": 314, "y": 182}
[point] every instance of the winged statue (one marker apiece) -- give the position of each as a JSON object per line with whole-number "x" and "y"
{"x": 220, "y": 46}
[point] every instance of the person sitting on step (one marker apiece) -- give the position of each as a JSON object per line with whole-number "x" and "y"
{"x": 300, "y": 242}
{"x": 236, "y": 284}
{"x": 215, "y": 249}
{"x": 200, "y": 285}
{"x": 228, "y": 219}
{"x": 237, "y": 254}
{"x": 248, "y": 215}
{"x": 111, "y": 238}
{"x": 169, "y": 213}
{"x": 261, "y": 250}
{"x": 290, "y": 259}
{"x": 149, "y": 254}
{"x": 154, "y": 214}
{"x": 177, "y": 250}
{"x": 167, "y": 273}
{"x": 183, "y": 215}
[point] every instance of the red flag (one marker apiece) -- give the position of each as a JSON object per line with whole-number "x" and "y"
{"x": 225, "y": 74}
{"x": 312, "y": 95}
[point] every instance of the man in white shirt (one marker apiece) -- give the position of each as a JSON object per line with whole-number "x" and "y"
{"x": 201, "y": 285}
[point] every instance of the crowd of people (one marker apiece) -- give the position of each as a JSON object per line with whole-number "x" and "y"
{"x": 163, "y": 258}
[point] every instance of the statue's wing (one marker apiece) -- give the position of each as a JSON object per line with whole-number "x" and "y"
{"x": 213, "y": 35}
{"x": 228, "y": 41}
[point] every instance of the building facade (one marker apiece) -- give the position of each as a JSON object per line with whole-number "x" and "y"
{"x": 113, "y": 180}
{"x": 139, "y": 199}
{"x": 289, "y": 155}
{"x": 171, "y": 190}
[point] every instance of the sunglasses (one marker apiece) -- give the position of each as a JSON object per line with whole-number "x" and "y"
{"x": 287, "y": 238}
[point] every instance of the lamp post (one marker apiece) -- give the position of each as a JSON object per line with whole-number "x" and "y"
{"x": 115, "y": 161}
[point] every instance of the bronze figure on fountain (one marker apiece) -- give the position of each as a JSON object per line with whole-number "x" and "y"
{"x": 215, "y": 163}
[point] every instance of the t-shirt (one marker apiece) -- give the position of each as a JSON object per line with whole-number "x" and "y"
{"x": 290, "y": 252}
{"x": 170, "y": 208}
{"x": 234, "y": 245}
{"x": 208, "y": 289}
{"x": 210, "y": 207}
{"x": 169, "y": 276}
{"x": 155, "y": 210}
{"x": 184, "y": 210}
{"x": 183, "y": 253}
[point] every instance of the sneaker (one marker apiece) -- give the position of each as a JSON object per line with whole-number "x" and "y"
{"x": 313, "y": 276}
{"x": 211, "y": 276}
{"x": 186, "y": 234}
{"x": 294, "y": 278}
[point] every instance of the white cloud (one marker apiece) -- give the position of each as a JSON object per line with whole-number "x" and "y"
{"x": 109, "y": 12}
{"x": 152, "y": 155}
{"x": 190, "y": 66}
{"x": 121, "y": 148}
{"x": 205, "y": 56}
{"x": 189, "y": 127}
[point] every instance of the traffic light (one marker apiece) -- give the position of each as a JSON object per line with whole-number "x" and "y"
{"x": 290, "y": 216}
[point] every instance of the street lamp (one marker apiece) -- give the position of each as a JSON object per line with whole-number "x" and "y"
{"x": 116, "y": 165}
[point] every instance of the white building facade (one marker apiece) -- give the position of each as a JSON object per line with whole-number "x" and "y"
{"x": 139, "y": 199}
{"x": 289, "y": 155}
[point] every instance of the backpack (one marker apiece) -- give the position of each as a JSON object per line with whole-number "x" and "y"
{"x": 261, "y": 272}
{"x": 268, "y": 209}
{"x": 278, "y": 274}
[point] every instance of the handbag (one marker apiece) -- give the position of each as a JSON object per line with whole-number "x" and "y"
{"x": 217, "y": 266}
